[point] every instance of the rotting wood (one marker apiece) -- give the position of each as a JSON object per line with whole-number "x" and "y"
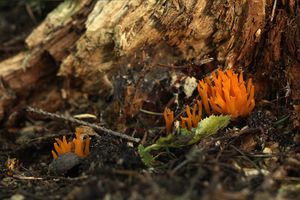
{"x": 112, "y": 39}
{"x": 122, "y": 36}
{"x": 48, "y": 45}
{"x": 193, "y": 29}
{"x": 20, "y": 75}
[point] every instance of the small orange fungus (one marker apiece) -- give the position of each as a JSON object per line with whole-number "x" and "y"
{"x": 82, "y": 148}
{"x": 192, "y": 118}
{"x": 79, "y": 146}
{"x": 227, "y": 93}
{"x": 169, "y": 119}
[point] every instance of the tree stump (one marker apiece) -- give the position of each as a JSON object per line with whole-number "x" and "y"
{"x": 120, "y": 52}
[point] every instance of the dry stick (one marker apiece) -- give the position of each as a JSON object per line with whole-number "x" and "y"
{"x": 73, "y": 120}
{"x": 151, "y": 112}
{"x": 27, "y": 177}
{"x": 247, "y": 158}
{"x": 273, "y": 10}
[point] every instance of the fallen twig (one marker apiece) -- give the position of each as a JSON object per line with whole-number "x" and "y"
{"x": 247, "y": 158}
{"x": 151, "y": 112}
{"x": 27, "y": 177}
{"x": 77, "y": 121}
{"x": 273, "y": 10}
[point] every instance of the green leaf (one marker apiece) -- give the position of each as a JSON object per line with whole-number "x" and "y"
{"x": 210, "y": 126}
{"x": 206, "y": 127}
{"x": 146, "y": 157}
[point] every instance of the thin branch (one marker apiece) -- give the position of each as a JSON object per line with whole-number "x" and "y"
{"x": 247, "y": 158}
{"x": 273, "y": 10}
{"x": 27, "y": 177}
{"x": 77, "y": 121}
{"x": 30, "y": 13}
{"x": 151, "y": 112}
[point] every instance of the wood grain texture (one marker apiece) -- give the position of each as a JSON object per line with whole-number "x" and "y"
{"x": 96, "y": 44}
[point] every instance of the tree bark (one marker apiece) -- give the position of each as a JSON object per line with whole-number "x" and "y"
{"x": 125, "y": 50}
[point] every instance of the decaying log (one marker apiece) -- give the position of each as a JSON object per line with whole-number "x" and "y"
{"x": 23, "y": 74}
{"x": 125, "y": 48}
{"x": 123, "y": 36}
{"x": 20, "y": 75}
{"x": 167, "y": 32}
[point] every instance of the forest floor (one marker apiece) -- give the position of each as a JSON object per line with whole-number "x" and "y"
{"x": 257, "y": 157}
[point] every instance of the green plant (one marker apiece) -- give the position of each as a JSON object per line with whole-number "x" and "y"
{"x": 206, "y": 127}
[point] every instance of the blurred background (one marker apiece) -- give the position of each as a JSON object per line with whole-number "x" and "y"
{"x": 17, "y": 19}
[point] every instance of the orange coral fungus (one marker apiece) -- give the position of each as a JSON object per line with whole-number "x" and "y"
{"x": 192, "y": 119}
{"x": 227, "y": 94}
{"x": 61, "y": 147}
{"x": 80, "y": 147}
{"x": 186, "y": 123}
{"x": 169, "y": 119}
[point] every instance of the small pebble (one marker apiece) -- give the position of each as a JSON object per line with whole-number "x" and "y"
{"x": 64, "y": 163}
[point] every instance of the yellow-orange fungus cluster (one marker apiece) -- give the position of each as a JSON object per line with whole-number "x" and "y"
{"x": 227, "y": 93}
{"x": 193, "y": 118}
{"x": 188, "y": 122}
{"x": 78, "y": 146}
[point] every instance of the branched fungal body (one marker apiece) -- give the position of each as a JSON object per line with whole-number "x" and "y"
{"x": 227, "y": 94}
{"x": 79, "y": 146}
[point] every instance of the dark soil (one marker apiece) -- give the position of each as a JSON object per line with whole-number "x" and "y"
{"x": 233, "y": 164}
{"x": 254, "y": 158}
